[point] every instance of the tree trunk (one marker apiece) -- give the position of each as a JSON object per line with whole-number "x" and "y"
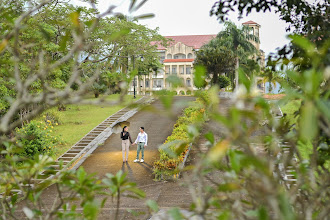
{"x": 236, "y": 74}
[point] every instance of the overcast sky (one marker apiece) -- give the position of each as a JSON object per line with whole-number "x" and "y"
{"x": 187, "y": 17}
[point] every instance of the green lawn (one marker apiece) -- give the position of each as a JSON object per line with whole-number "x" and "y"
{"x": 289, "y": 109}
{"x": 78, "y": 120}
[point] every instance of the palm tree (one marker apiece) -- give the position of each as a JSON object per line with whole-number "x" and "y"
{"x": 272, "y": 77}
{"x": 238, "y": 40}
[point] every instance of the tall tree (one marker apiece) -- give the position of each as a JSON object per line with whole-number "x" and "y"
{"x": 217, "y": 59}
{"x": 238, "y": 40}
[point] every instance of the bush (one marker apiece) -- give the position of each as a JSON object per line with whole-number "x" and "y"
{"x": 37, "y": 138}
{"x": 182, "y": 92}
{"x": 54, "y": 116}
{"x": 188, "y": 92}
{"x": 164, "y": 92}
{"x": 167, "y": 167}
{"x": 224, "y": 81}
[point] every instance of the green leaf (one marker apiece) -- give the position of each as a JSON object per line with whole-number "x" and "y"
{"x": 119, "y": 34}
{"x": 28, "y": 212}
{"x": 167, "y": 101}
{"x": 175, "y": 81}
{"x": 243, "y": 79}
{"x": 304, "y": 44}
{"x": 192, "y": 131}
{"x": 308, "y": 121}
{"x": 81, "y": 174}
{"x": 64, "y": 41}
{"x": 210, "y": 137}
{"x": 175, "y": 214}
{"x": 286, "y": 208}
{"x": 145, "y": 16}
{"x": 91, "y": 210}
{"x": 131, "y": 7}
{"x": 199, "y": 76}
{"x": 45, "y": 33}
{"x": 138, "y": 192}
{"x": 3, "y": 44}
{"x": 218, "y": 151}
{"x": 167, "y": 147}
{"x": 262, "y": 213}
{"x": 152, "y": 205}
{"x": 180, "y": 148}
{"x": 228, "y": 187}
{"x": 75, "y": 18}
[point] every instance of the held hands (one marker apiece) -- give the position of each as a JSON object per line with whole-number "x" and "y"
{"x": 145, "y": 145}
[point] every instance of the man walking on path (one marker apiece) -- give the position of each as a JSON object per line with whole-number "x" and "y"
{"x": 142, "y": 142}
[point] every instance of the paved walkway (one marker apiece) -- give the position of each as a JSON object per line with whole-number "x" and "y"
{"x": 166, "y": 194}
{"x": 108, "y": 159}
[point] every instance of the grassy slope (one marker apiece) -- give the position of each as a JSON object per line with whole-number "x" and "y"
{"x": 290, "y": 108}
{"x": 78, "y": 120}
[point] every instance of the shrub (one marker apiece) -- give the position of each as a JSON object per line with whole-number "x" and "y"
{"x": 182, "y": 92}
{"x": 188, "y": 92}
{"x": 164, "y": 92}
{"x": 167, "y": 167}
{"x": 224, "y": 81}
{"x": 37, "y": 138}
{"x": 54, "y": 116}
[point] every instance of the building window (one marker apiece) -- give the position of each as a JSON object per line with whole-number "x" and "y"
{"x": 147, "y": 83}
{"x": 252, "y": 30}
{"x": 188, "y": 83}
{"x": 167, "y": 69}
{"x": 181, "y": 69}
{"x": 190, "y": 56}
{"x": 174, "y": 70}
{"x": 169, "y": 56}
{"x": 179, "y": 56}
{"x": 157, "y": 83}
{"x": 188, "y": 70}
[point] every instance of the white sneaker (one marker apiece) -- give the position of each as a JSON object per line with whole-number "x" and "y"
{"x": 136, "y": 160}
{"x": 142, "y": 161}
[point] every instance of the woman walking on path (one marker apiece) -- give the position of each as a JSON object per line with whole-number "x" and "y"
{"x": 126, "y": 140}
{"x": 142, "y": 142}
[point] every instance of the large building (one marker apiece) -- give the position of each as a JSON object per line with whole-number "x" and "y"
{"x": 178, "y": 58}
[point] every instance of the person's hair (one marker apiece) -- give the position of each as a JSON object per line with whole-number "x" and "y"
{"x": 142, "y": 128}
{"x": 124, "y": 128}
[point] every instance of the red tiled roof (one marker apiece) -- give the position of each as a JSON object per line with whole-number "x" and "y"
{"x": 177, "y": 60}
{"x": 250, "y": 22}
{"x": 195, "y": 41}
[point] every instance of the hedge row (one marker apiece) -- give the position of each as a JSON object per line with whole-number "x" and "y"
{"x": 177, "y": 144}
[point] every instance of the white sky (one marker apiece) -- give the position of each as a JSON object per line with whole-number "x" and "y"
{"x": 186, "y": 17}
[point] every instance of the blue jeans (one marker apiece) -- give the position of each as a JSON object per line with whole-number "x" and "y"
{"x": 140, "y": 147}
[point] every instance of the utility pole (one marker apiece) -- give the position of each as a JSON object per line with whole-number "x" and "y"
{"x": 134, "y": 77}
